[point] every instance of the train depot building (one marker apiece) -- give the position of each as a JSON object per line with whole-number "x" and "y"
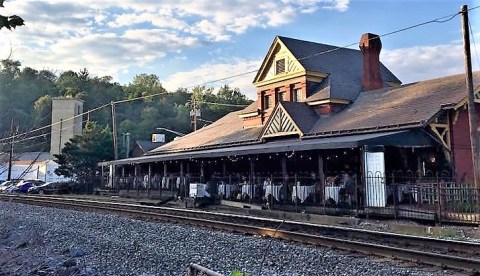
{"x": 331, "y": 129}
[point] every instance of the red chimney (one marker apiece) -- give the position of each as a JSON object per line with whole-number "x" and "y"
{"x": 370, "y": 45}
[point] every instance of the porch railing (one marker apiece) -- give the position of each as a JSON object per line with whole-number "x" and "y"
{"x": 400, "y": 194}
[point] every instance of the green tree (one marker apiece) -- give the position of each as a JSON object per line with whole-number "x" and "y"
{"x": 80, "y": 156}
{"x": 10, "y": 21}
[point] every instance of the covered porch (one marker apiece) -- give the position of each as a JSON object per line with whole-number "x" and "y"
{"x": 364, "y": 173}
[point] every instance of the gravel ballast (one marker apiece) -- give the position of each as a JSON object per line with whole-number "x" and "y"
{"x": 38, "y": 240}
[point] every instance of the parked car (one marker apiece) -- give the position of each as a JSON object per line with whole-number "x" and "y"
{"x": 24, "y": 185}
{"x": 51, "y": 188}
{"x": 6, "y": 186}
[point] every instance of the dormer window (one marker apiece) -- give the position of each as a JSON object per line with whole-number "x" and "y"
{"x": 267, "y": 102}
{"x": 280, "y": 66}
{"x": 298, "y": 94}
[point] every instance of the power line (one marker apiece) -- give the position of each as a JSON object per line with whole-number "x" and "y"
{"x": 437, "y": 20}
{"x": 442, "y": 19}
{"x": 226, "y": 104}
{"x": 57, "y": 123}
{"x": 474, "y": 44}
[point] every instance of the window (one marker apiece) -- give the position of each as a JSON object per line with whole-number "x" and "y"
{"x": 283, "y": 96}
{"x": 280, "y": 66}
{"x": 267, "y": 102}
{"x": 298, "y": 94}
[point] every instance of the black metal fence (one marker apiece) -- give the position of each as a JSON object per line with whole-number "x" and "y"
{"x": 438, "y": 197}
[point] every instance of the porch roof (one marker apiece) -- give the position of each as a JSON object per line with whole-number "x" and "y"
{"x": 403, "y": 138}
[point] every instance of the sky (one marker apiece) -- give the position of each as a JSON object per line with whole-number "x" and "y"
{"x": 187, "y": 43}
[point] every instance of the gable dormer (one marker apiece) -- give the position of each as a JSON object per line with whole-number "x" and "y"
{"x": 281, "y": 77}
{"x": 278, "y": 65}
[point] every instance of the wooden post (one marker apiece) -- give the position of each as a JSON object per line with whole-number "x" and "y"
{"x": 164, "y": 175}
{"x": 472, "y": 115}
{"x": 114, "y": 132}
{"x": 252, "y": 178}
{"x": 123, "y": 176}
{"x": 285, "y": 177}
{"x": 103, "y": 177}
{"x": 149, "y": 179}
{"x": 135, "y": 180}
{"x": 321, "y": 176}
{"x": 183, "y": 183}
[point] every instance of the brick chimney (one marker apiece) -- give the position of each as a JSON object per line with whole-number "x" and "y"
{"x": 370, "y": 45}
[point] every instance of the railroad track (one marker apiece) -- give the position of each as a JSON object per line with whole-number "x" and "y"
{"x": 459, "y": 255}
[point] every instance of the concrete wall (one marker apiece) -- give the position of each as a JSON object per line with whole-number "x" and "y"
{"x": 65, "y": 109}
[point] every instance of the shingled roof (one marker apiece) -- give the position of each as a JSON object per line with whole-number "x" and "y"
{"x": 411, "y": 105}
{"x": 343, "y": 66}
{"x": 226, "y": 131}
{"x": 405, "y": 107}
{"x": 303, "y": 115}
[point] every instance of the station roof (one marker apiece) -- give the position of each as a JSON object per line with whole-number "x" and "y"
{"x": 410, "y": 138}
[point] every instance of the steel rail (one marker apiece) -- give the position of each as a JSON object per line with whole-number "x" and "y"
{"x": 408, "y": 241}
{"x": 431, "y": 258}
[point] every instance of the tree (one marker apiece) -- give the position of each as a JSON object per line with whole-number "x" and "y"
{"x": 80, "y": 156}
{"x": 10, "y": 21}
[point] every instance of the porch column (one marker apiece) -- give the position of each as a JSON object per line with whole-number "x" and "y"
{"x": 224, "y": 167}
{"x": 202, "y": 172}
{"x": 285, "y": 177}
{"x": 321, "y": 177}
{"x": 123, "y": 176}
{"x": 103, "y": 176}
{"x": 165, "y": 177}
{"x": 183, "y": 183}
{"x": 149, "y": 179}
{"x": 252, "y": 171}
{"x": 135, "y": 179}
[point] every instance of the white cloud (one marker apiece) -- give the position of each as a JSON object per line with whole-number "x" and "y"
{"x": 111, "y": 36}
{"x": 427, "y": 62}
{"x": 215, "y": 71}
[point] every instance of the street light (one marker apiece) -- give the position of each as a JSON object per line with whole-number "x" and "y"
{"x": 172, "y": 131}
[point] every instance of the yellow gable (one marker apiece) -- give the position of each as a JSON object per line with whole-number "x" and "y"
{"x": 279, "y": 64}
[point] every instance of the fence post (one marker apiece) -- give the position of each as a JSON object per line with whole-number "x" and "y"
{"x": 439, "y": 200}
{"x": 395, "y": 193}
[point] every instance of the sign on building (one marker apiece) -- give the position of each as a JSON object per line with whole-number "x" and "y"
{"x": 158, "y": 138}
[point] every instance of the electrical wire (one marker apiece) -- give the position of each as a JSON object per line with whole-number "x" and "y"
{"x": 474, "y": 44}
{"x": 57, "y": 123}
{"x": 225, "y": 104}
{"x": 475, "y": 48}
{"x": 442, "y": 19}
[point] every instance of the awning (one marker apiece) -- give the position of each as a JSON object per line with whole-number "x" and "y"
{"x": 403, "y": 138}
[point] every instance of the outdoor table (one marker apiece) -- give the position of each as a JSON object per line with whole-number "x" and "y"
{"x": 303, "y": 192}
{"x": 273, "y": 190}
{"x": 247, "y": 189}
{"x": 226, "y": 190}
{"x": 333, "y": 192}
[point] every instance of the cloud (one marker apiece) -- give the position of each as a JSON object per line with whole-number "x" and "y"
{"x": 111, "y": 36}
{"x": 215, "y": 71}
{"x": 427, "y": 62}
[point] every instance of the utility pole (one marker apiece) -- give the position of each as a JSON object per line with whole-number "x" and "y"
{"x": 60, "y": 137}
{"x": 194, "y": 114}
{"x": 10, "y": 157}
{"x": 114, "y": 132}
{"x": 472, "y": 114}
{"x": 112, "y": 170}
{"x": 126, "y": 143}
